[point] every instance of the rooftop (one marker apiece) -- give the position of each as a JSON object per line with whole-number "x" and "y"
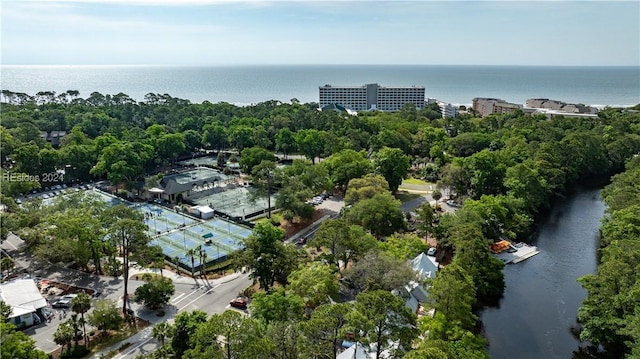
{"x": 22, "y": 295}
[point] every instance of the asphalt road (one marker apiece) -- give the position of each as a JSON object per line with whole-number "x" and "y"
{"x": 208, "y": 297}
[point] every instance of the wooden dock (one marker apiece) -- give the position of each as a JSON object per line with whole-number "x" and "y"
{"x": 523, "y": 251}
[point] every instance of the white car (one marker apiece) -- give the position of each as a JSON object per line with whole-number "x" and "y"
{"x": 64, "y": 301}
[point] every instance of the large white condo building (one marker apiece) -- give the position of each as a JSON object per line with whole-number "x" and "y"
{"x": 371, "y": 97}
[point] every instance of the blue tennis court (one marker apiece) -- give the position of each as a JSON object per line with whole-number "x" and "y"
{"x": 177, "y": 233}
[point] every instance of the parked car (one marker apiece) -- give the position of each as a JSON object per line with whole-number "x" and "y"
{"x": 431, "y": 251}
{"x": 64, "y": 301}
{"x": 239, "y": 302}
{"x": 453, "y": 203}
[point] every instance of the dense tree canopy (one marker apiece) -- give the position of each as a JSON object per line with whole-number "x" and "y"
{"x": 505, "y": 169}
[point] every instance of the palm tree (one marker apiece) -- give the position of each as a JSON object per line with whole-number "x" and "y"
{"x": 64, "y": 335}
{"x": 203, "y": 258}
{"x": 176, "y": 260}
{"x": 74, "y": 324}
{"x": 162, "y": 331}
{"x": 436, "y": 195}
{"x": 81, "y": 304}
{"x": 192, "y": 253}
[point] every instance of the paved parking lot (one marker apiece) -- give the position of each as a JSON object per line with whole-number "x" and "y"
{"x": 333, "y": 204}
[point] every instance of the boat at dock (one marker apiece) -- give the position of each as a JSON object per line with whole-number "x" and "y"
{"x": 513, "y": 253}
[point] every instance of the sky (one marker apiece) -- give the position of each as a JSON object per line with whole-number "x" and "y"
{"x": 225, "y": 32}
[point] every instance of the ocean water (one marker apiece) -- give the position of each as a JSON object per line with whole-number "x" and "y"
{"x": 241, "y": 85}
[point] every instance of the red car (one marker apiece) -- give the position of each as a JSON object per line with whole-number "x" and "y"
{"x": 239, "y": 303}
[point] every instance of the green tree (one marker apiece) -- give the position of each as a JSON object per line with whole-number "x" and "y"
{"x": 81, "y": 304}
{"x": 474, "y": 257}
{"x": 227, "y": 336}
{"x": 17, "y": 345}
{"x": 317, "y": 284}
{"x": 123, "y": 161}
{"x": 105, "y": 315}
{"x": 453, "y": 294}
{"x": 252, "y": 157}
{"x": 161, "y": 332}
{"x": 240, "y": 136}
{"x": 266, "y": 256}
{"x": 83, "y": 230}
{"x": 287, "y": 340}
{"x": 393, "y": 165}
{"x": 404, "y": 246}
{"x": 346, "y": 165}
{"x": 129, "y": 233}
{"x": 285, "y": 141}
{"x": 185, "y": 326}
{"x": 365, "y": 188}
{"x": 379, "y": 271}
{"x": 214, "y": 136}
{"x": 27, "y": 159}
{"x": 488, "y": 171}
{"x": 263, "y": 177}
{"x": 524, "y": 181}
{"x": 192, "y": 140}
{"x": 292, "y": 200}
{"x": 314, "y": 177}
{"x": 380, "y": 214}
{"x": 276, "y": 306}
{"x": 155, "y": 293}
{"x": 311, "y": 143}
{"x": 391, "y": 139}
{"x": 170, "y": 145}
{"x": 335, "y": 236}
{"x": 426, "y": 218}
{"x": 64, "y": 335}
{"x": 324, "y": 330}
{"x": 383, "y": 319}
{"x": 192, "y": 253}
{"x": 455, "y": 178}
{"x": 5, "y": 311}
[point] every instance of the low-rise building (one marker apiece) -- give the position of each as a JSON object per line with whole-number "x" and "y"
{"x": 25, "y": 300}
{"x": 560, "y": 106}
{"x": 485, "y": 106}
{"x": 184, "y": 184}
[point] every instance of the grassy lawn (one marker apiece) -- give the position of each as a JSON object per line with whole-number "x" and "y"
{"x": 415, "y": 181}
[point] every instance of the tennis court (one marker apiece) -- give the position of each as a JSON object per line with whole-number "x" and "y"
{"x": 235, "y": 201}
{"x": 177, "y": 233}
{"x": 216, "y": 238}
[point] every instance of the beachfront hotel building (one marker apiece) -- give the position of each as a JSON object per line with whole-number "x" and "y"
{"x": 447, "y": 110}
{"x": 371, "y": 97}
{"x": 484, "y": 106}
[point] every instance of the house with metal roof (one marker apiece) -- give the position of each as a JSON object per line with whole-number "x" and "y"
{"x": 25, "y": 300}
{"x": 185, "y": 183}
{"x": 425, "y": 266}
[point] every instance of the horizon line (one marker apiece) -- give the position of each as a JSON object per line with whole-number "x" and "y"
{"x": 301, "y": 64}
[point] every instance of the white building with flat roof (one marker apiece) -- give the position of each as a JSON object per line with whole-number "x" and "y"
{"x": 447, "y": 110}
{"x": 24, "y": 298}
{"x": 371, "y": 97}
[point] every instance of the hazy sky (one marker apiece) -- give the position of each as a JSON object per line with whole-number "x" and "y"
{"x": 201, "y": 32}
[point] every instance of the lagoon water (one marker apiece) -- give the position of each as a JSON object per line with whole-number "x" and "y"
{"x": 241, "y": 85}
{"x": 542, "y": 296}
